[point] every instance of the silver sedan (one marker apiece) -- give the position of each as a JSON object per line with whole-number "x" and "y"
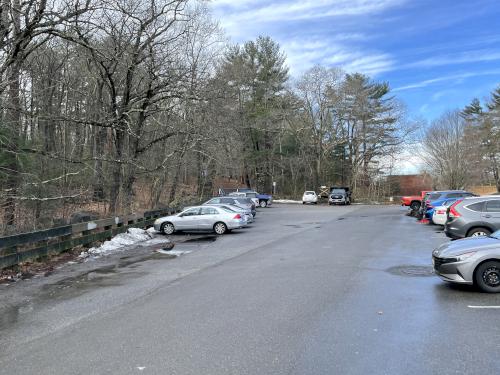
{"x": 474, "y": 260}
{"x": 201, "y": 218}
{"x": 243, "y": 211}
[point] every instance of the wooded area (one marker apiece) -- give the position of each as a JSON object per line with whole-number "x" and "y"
{"x": 116, "y": 106}
{"x": 462, "y": 148}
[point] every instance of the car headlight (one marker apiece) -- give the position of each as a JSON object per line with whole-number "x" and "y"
{"x": 465, "y": 256}
{"x": 157, "y": 221}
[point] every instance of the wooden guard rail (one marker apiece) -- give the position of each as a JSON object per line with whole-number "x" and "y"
{"x": 28, "y": 246}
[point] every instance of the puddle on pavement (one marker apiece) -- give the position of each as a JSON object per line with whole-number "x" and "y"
{"x": 412, "y": 271}
{"x": 209, "y": 238}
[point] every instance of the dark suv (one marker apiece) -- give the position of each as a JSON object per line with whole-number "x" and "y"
{"x": 339, "y": 195}
{"x": 477, "y": 216}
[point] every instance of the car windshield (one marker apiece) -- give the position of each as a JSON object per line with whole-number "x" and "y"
{"x": 309, "y": 192}
{"x": 338, "y": 191}
{"x": 433, "y": 197}
{"x": 252, "y": 195}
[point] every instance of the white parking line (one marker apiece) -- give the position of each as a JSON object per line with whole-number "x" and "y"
{"x": 484, "y": 307}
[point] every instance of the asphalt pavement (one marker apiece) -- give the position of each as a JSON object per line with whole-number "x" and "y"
{"x": 306, "y": 290}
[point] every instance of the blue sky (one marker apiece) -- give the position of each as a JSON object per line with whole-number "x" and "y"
{"x": 436, "y": 55}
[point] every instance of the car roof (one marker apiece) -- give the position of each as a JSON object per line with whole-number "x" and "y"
{"x": 485, "y": 197}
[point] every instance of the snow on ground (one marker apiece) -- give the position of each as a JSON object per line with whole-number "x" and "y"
{"x": 133, "y": 236}
{"x": 174, "y": 252}
{"x": 286, "y": 201}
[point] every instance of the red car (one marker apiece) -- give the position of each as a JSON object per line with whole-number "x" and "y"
{"x": 413, "y": 201}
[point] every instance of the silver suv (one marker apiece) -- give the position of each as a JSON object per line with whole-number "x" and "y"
{"x": 477, "y": 216}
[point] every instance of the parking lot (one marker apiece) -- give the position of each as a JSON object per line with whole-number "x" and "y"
{"x": 305, "y": 290}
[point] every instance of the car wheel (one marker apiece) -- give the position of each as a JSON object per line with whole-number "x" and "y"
{"x": 220, "y": 228}
{"x": 487, "y": 277}
{"x": 168, "y": 228}
{"x": 479, "y": 232}
{"x": 414, "y": 206}
{"x": 263, "y": 204}
{"x": 303, "y": 202}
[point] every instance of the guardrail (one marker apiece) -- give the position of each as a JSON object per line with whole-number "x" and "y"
{"x": 27, "y": 246}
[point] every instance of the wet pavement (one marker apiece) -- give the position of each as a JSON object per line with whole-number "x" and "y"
{"x": 306, "y": 290}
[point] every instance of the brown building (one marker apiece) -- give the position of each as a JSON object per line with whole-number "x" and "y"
{"x": 411, "y": 184}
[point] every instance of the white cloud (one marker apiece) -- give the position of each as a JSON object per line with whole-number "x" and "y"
{"x": 300, "y": 9}
{"x": 245, "y": 19}
{"x": 303, "y": 54}
{"x": 459, "y": 58}
{"x": 454, "y": 77}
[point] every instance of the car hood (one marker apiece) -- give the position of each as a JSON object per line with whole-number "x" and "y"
{"x": 457, "y": 247}
{"x": 166, "y": 218}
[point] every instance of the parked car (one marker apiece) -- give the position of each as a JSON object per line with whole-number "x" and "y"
{"x": 201, "y": 218}
{"x": 470, "y": 261}
{"x": 476, "y": 216}
{"x": 264, "y": 199}
{"x": 310, "y": 197}
{"x": 339, "y": 195}
{"x": 440, "y": 213}
{"x": 243, "y": 211}
{"x": 443, "y": 198}
{"x": 235, "y": 201}
{"x": 250, "y": 195}
{"x": 435, "y": 198}
{"x": 413, "y": 201}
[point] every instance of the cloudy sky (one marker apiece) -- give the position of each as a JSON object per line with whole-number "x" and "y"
{"x": 436, "y": 54}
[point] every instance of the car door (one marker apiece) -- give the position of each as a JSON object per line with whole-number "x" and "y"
{"x": 208, "y": 217}
{"x": 189, "y": 219}
{"x": 491, "y": 213}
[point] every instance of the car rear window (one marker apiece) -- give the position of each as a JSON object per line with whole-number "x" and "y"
{"x": 493, "y": 206}
{"x": 478, "y": 207}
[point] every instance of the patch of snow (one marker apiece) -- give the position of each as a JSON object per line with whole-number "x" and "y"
{"x": 286, "y": 201}
{"x": 133, "y": 236}
{"x": 174, "y": 252}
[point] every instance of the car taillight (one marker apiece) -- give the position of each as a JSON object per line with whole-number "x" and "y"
{"x": 440, "y": 212}
{"x": 237, "y": 216}
{"x": 453, "y": 212}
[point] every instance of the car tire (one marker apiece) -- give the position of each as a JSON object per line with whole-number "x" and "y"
{"x": 263, "y": 204}
{"x": 303, "y": 202}
{"x": 415, "y": 206}
{"x": 220, "y": 228}
{"x": 167, "y": 228}
{"x": 487, "y": 277}
{"x": 480, "y": 231}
